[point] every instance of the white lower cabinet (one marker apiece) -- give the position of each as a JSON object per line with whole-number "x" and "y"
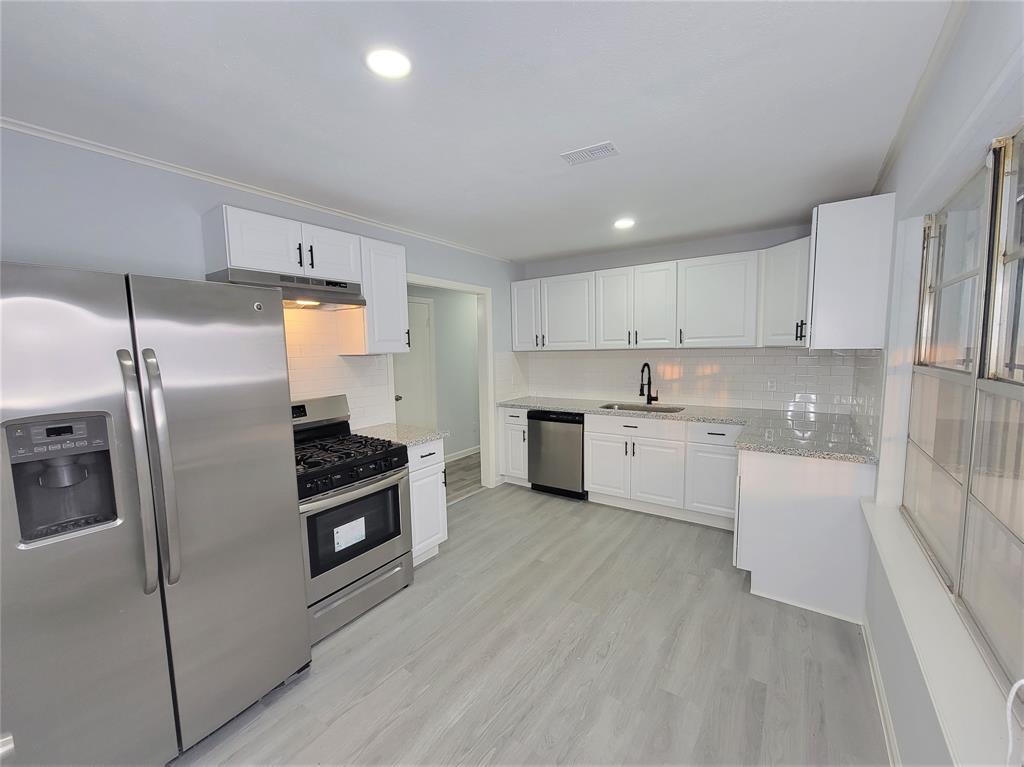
{"x": 514, "y": 450}
{"x": 656, "y": 471}
{"x": 429, "y": 502}
{"x": 606, "y": 464}
{"x": 711, "y": 479}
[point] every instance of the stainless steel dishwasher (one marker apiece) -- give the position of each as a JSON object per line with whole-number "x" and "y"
{"x": 556, "y": 452}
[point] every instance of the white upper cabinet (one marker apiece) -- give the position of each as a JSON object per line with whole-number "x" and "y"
{"x": 331, "y": 255}
{"x": 567, "y": 312}
{"x": 851, "y": 246}
{"x": 654, "y": 306}
{"x": 614, "y": 308}
{"x": 526, "y": 315}
{"x": 261, "y": 242}
{"x": 784, "y": 301}
{"x": 384, "y": 286}
{"x": 717, "y": 300}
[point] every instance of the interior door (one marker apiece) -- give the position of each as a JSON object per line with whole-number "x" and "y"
{"x": 567, "y": 312}
{"x": 264, "y": 243}
{"x": 83, "y": 673}
{"x": 783, "y": 294}
{"x": 717, "y": 300}
{"x": 331, "y": 255}
{"x": 654, "y": 306}
{"x": 606, "y": 464}
{"x": 526, "y": 315}
{"x": 656, "y": 471}
{"x": 215, "y": 386}
{"x": 613, "y": 290}
{"x": 415, "y": 374}
{"x": 384, "y": 285}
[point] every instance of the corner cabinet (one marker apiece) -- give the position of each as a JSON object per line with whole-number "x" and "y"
{"x": 784, "y": 302}
{"x": 717, "y": 300}
{"x": 851, "y": 247}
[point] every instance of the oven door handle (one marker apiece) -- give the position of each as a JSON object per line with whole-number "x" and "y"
{"x": 355, "y": 492}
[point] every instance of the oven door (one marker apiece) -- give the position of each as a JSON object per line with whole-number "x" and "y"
{"x": 354, "y": 531}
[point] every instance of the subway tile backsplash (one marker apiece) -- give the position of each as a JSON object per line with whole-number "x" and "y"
{"x": 794, "y": 380}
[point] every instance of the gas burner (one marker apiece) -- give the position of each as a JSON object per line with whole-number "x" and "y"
{"x": 329, "y": 457}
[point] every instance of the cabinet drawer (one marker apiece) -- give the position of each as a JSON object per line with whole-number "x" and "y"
{"x": 656, "y": 428}
{"x": 510, "y": 415}
{"x": 427, "y": 454}
{"x": 713, "y": 433}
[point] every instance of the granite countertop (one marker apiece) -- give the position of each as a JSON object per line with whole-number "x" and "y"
{"x": 406, "y": 435}
{"x": 808, "y": 435}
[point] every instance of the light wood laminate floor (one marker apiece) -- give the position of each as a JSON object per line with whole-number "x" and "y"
{"x": 463, "y": 477}
{"x": 554, "y": 631}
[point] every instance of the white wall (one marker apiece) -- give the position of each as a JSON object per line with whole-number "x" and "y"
{"x": 670, "y": 251}
{"x": 455, "y": 357}
{"x": 972, "y": 93}
{"x": 68, "y": 206}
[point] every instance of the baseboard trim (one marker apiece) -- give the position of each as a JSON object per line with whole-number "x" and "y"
{"x": 461, "y": 453}
{"x": 680, "y": 515}
{"x": 504, "y": 478}
{"x": 822, "y": 611}
{"x": 888, "y": 729}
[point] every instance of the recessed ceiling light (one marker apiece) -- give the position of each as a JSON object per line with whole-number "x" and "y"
{"x": 624, "y": 223}
{"x": 389, "y": 63}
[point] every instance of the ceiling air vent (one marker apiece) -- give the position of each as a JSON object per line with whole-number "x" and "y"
{"x": 590, "y": 153}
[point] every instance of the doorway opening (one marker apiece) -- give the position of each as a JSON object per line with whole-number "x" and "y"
{"x": 444, "y": 381}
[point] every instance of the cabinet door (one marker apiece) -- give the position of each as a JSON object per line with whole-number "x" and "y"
{"x": 711, "y": 479}
{"x": 515, "y": 453}
{"x": 613, "y": 290}
{"x": 656, "y": 471}
{"x": 783, "y": 294}
{"x": 654, "y": 306}
{"x": 429, "y": 508}
{"x": 264, "y": 243}
{"x": 332, "y": 255}
{"x": 525, "y": 315}
{"x": 567, "y": 311}
{"x": 606, "y": 464}
{"x": 717, "y": 300}
{"x": 387, "y": 308}
{"x": 853, "y": 243}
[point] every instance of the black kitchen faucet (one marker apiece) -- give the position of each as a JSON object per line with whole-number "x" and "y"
{"x": 650, "y": 397}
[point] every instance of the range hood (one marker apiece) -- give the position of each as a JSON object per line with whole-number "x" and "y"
{"x": 305, "y": 292}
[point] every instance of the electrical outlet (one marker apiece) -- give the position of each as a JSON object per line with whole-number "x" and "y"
{"x": 772, "y": 384}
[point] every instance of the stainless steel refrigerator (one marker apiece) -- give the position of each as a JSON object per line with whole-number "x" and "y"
{"x": 150, "y": 565}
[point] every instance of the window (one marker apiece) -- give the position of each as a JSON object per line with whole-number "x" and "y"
{"x": 964, "y": 485}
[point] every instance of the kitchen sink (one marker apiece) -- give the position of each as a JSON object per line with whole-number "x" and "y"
{"x": 642, "y": 408}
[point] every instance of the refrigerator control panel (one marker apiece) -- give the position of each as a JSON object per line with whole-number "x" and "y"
{"x": 33, "y": 440}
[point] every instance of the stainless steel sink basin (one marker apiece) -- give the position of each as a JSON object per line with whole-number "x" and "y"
{"x": 642, "y": 408}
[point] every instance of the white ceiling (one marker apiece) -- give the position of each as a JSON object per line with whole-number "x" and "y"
{"x": 729, "y": 116}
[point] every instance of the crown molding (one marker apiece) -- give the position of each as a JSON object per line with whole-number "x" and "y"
{"x": 38, "y": 131}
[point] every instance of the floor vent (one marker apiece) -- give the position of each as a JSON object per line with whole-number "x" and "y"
{"x": 590, "y": 153}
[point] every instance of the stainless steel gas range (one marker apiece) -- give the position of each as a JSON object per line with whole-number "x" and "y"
{"x": 356, "y": 520}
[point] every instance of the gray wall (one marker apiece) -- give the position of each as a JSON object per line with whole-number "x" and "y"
{"x": 68, "y": 206}
{"x": 455, "y": 350}
{"x": 652, "y": 254}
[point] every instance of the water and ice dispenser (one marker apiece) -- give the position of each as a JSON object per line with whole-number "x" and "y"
{"x": 63, "y": 480}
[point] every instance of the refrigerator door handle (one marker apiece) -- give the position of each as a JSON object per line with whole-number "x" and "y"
{"x": 168, "y": 504}
{"x": 136, "y": 423}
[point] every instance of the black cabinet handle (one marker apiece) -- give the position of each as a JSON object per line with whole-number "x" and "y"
{"x": 628, "y": 337}
{"x": 514, "y": 416}
{"x": 625, "y": 447}
{"x": 524, "y": 435}
{"x": 634, "y": 449}
{"x": 300, "y": 254}
{"x": 444, "y": 477}
{"x": 311, "y": 257}
{"x": 536, "y": 340}
{"x": 716, "y": 433}
{"x": 408, "y": 339}
{"x": 636, "y": 342}
{"x": 629, "y": 426}
{"x": 680, "y": 336}
{"x": 543, "y": 341}
{"x": 796, "y": 332}
{"x": 427, "y": 455}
